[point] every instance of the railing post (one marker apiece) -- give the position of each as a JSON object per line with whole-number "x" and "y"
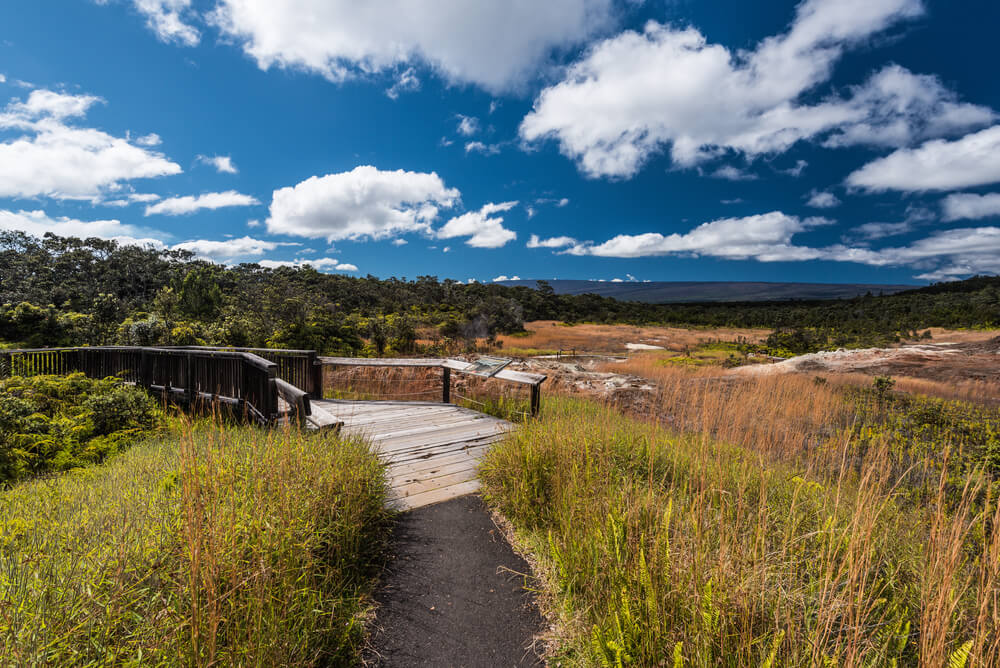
{"x": 188, "y": 381}
{"x": 316, "y": 369}
{"x": 445, "y": 385}
{"x": 536, "y": 399}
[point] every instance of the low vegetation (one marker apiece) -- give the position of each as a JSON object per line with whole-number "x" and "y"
{"x": 55, "y": 423}
{"x": 773, "y": 521}
{"x": 206, "y": 545}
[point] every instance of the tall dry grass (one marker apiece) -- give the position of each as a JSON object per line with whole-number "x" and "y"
{"x": 750, "y": 548}
{"x": 552, "y": 335}
{"x": 213, "y": 545}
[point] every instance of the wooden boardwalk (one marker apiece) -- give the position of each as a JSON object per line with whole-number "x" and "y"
{"x": 432, "y": 449}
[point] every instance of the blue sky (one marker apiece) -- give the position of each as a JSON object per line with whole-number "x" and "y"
{"x": 823, "y": 140}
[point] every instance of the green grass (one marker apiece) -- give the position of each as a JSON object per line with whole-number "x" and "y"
{"x": 209, "y": 545}
{"x": 654, "y": 547}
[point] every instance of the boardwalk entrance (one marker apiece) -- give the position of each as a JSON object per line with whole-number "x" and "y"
{"x": 432, "y": 449}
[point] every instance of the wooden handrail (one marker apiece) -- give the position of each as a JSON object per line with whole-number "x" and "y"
{"x": 532, "y": 380}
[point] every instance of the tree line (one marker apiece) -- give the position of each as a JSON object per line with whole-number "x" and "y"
{"x": 68, "y": 291}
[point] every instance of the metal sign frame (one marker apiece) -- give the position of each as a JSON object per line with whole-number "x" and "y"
{"x": 487, "y": 366}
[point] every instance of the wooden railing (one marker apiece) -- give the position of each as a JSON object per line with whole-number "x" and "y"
{"x": 242, "y": 380}
{"x": 532, "y": 380}
{"x": 297, "y": 367}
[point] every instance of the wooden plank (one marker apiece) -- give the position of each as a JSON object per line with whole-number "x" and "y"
{"x": 438, "y": 461}
{"x": 420, "y": 486}
{"x": 429, "y": 453}
{"x": 441, "y": 437}
{"x": 398, "y": 480}
{"x": 435, "y": 496}
{"x": 381, "y": 361}
{"x": 321, "y": 419}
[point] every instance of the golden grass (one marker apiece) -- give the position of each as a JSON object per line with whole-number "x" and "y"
{"x": 552, "y": 335}
{"x": 764, "y": 536}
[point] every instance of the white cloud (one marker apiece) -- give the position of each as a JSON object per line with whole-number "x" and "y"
{"x": 55, "y": 159}
{"x": 731, "y": 173}
{"x": 152, "y": 139}
{"x": 407, "y": 81}
{"x": 37, "y": 223}
{"x": 667, "y": 88}
{"x": 3, "y": 79}
{"x": 230, "y": 249}
{"x": 399, "y": 242}
{"x": 496, "y": 45}
{"x": 362, "y": 203}
{"x": 253, "y": 222}
{"x": 168, "y": 20}
{"x": 130, "y": 198}
{"x": 222, "y": 163}
{"x": 480, "y": 147}
{"x": 797, "y": 169}
{"x": 617, "y": 280}
{"x": 819, "y": 199}
{"x": 970, "y": 206}
{"x": 319, "y": 264}
{"x": 881, "y": 230}
{"x": 553, "y": 242}
{"x": 505, "y": 277}
{"x": 467, "y": 125}
{"x": 483, "y": 227}
{"x": 973, "y": 160}
{"x": 178, "y": 206}
{"x": 765, "y": 237}
{"x": 563, "y": 202}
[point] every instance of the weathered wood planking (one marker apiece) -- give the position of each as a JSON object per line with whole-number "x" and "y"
{"x": 432, "y": 449}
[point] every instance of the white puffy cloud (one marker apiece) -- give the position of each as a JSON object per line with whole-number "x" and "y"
{"x": 407, "y": 81}
{"x": 667, "y": 88}
{"x": 480, "y": 147}
{"x": 467, "y": 125}
{"x": 505, "y": 277}
{"x": 319, "y": 264}
{"x": 972, "y": 160}
{"x": 130, "y": 198}
{"x": 764, "y": 237}
{"x": 496, "y": 45}
{"x": 484, "y": 228}
{"x": 399, "y": 242}
{"x": 37, "y": 223}
{"x": 168, "y": 20}
{"x": 55, "y": 159}
{"x": 819, "y": 199}
{"x": 178, "y": 206}
{"x": 222, "y": 163}
{"x": 230, "y": 249}
{"x": 553, "y": 242}
{"x": 970, "y": 206}
{"x": 732, "y": 173}
{"x": 363, "y": 203}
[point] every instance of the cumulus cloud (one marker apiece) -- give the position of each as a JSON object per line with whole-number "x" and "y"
{"x": 970, "y": 206}
{"x": 363, "y": 203}
{"x": 480, "y": 147}
{"x": 230, "y": 249}
{"x": 178, "y": 206}
{"x": 319, "y": 264}
{"x": 940, "y": 165}
{"x": 731, "y": 173}
{"x": 130, "y": 198}
{"x": 467, "y": 125}
{"x": 872, "y": 231}
{"x": 668, "y": 88}
{"x": 38, "y": 223}
{"x": 222, "y": 163}
{"x": 399, "y": 242}
{"x": 496, "y": 45}
{"x": 53, "y": 158}
{"x": 819, "y": 199}
{"x": 505, "y": 277}
{"x": 765, "y": 237}
{"x": 168, "y": 19}
{"x": 553, "y": 242}
{"x": 407, "y": 81}
{"x": 484, "y": 228}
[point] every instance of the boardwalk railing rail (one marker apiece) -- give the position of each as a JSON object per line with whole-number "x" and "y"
{"x": 240, "y": 379}
{"x": 532, "y": 380}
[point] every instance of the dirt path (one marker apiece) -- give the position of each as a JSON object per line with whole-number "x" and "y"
{"x": 452, "y": 596}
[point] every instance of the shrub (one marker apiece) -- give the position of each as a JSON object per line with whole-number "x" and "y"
{"x": 54, "y": 423}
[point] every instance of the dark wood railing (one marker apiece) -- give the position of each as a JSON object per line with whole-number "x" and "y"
{"x": 243, "y": 380}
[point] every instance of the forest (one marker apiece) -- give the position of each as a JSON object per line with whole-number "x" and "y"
{"x": 59, "y": 291}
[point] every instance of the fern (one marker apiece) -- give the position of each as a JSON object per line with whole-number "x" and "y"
{"x": 960, "y": 656}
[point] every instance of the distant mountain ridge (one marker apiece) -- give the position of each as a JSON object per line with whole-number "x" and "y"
{"x": 665, "y": 292}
